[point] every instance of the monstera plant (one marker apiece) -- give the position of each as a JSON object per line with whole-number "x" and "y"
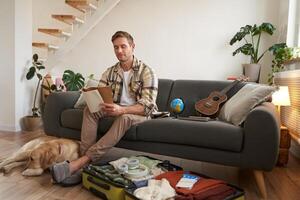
{"x": 73, "y": 81}
{"x": 251, "y": 37}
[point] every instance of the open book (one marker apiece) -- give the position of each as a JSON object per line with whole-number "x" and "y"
{"x": 93, "y": 96}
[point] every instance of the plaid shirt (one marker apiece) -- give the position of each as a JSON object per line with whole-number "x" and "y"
{"x": 143, "y": 84}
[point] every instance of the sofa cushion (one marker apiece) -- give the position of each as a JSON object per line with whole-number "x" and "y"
{"x": 72, "y": 118}
{"x": 164, "y": 89}
{"x": 236, "y": 109}
{"x": 212, "y": 134}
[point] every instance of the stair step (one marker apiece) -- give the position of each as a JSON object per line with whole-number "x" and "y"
{"x": 81, "y": 5}
{"x": 68, "y": 19}
{"x": 44, "y": 45}
{"x": 54, "y": 32}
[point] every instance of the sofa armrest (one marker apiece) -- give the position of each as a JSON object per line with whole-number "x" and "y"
{"x": 261, "y": 138}
{"x": 55, "y": 104}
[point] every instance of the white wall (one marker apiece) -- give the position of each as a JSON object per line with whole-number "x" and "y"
{"x": 15, "y": 52}
{"x": 7, "y": 84}
{"x": 180, "y": 39}
{"x": 24, "y": 89}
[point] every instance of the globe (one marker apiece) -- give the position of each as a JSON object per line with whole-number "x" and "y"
{"x": 177, "y": 105}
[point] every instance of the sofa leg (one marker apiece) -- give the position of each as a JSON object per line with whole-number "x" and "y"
{"x": 260, "y": 181}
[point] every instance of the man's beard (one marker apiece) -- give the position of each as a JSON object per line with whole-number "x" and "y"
{"x": 124, "y": 59}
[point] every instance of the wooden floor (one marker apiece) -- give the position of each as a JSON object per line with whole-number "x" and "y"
{"x": 283, "y": 183}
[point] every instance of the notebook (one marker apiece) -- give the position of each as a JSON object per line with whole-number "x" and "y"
{"x": 93, "y": 96}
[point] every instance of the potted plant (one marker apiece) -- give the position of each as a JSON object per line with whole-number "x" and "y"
{"x": 251, "y": 35}
{"x": 73, "y": 81}
{"x": 281, "y": 54}
{"x": 33, "y": 122}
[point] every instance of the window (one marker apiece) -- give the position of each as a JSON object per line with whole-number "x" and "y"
{"x": 293, "y": 38}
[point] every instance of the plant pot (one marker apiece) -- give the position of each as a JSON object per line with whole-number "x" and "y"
{"x": 31, "y": 123}
{"x": 252, "y": 71}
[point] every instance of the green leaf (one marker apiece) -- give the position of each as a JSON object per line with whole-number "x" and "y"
{"x": 241, "y": 34}
{"x": 276, "y": 48}
{"x": 72, "y": 81}
{"x": 32, "y": 68}
{"x": 255, "y": 30}
{"x": 267, "y": 28}
{"x": 30, "y": 73}
{"x": 68, "y": 73}
{"x": 246, "y": 49}
{"x": 40, "y": 67}
{"x": 35, "y": 57}
{"x": 40, "y": 77}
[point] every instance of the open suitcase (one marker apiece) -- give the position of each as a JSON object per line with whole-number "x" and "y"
{"x": 119, "y": 190}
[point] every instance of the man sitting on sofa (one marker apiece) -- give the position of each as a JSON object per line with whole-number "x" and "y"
{"x": 134, "y": 87}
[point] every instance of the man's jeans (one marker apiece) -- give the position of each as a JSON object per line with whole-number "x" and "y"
{"x": 96, "y": 149}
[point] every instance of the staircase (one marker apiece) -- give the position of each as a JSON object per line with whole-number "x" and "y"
{"x": 83, "y": 6}
{"x": 68, "y": 19}
{"x": 44, "y": 46}
{"x": 55, "y": 32}
{"x": 90, "y": 13}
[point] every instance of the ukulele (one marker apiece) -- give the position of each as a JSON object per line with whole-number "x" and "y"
{"x": 211, "y": 105}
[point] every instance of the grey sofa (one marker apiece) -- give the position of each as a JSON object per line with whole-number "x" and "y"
{"x": 254, "y": 145}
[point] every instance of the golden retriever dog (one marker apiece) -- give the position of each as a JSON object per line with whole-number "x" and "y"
{"x": 41, "y": 153}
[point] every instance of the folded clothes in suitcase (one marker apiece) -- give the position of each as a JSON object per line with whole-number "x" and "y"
{"x": 108, "y": 183}
{"x": 204, "y": 188}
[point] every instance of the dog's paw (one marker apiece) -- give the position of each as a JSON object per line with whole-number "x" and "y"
{"x": 6, "y": 170}
{"x": 32, "y": 172}
{"x": 2, "y": 169}
{"x": 26, "y": 172}
{"x": 1, "y": 166}
{"x": 2, "y": 159}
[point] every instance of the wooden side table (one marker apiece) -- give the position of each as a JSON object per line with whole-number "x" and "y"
{"x": 284, "y": 146}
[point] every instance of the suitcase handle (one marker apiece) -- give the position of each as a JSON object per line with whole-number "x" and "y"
{"x": 98, "y": 193}
{"x": 102, "y": 185}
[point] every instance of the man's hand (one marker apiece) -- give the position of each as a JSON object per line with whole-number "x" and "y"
{"x": 112, "y": 109}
